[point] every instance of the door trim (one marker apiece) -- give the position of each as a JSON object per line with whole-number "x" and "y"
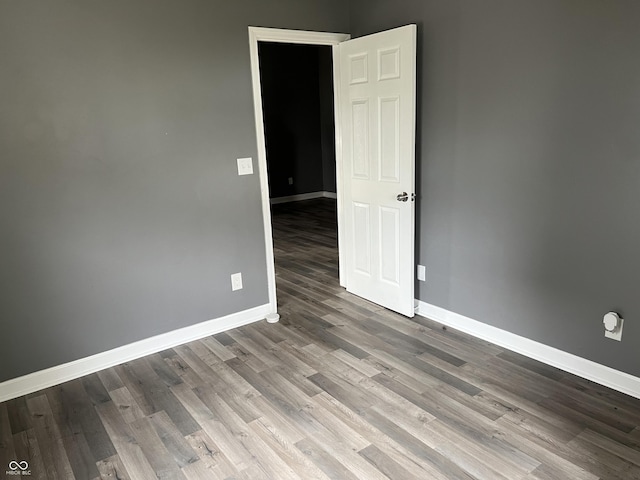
{"x": 261, "y": 34}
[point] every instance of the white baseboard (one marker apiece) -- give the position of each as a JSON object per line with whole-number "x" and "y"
{"x": 609, "y": 377}
{"x": 302, "y": 196}
{"x": 69, "y": 371}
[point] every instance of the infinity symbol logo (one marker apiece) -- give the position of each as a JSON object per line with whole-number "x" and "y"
{"x": 13, "y": 465}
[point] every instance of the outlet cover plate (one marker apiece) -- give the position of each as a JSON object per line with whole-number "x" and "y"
{"x": 422, "y": 273}
{"x": 236, "y": 281}
{"x": 617, "y": 333}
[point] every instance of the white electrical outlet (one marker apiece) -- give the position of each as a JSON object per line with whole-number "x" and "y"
{"x": 236, "y": 281}
{"x": 245, "y": 166}
{"x": 613, "y": 324}
{"x": 422, "y": 273}
{"x": 290, "y": 180}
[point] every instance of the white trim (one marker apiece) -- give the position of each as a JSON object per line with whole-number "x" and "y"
{"x": 609, "y": 377}
{"x": 337, "y": 113}
{"x": 36, "y": 381}
{"x": 279, "y": 35}
{"x": 260, "y": 34}
{"x": 302, "y": 196}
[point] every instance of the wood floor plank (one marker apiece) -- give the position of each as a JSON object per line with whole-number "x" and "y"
{"x": 252, "y": 472}
{"x": 183, "y": 370}
{"x": 267, "y": 459}
{"x": 127, "y": 405}
{"x": 593, "y": 423}
{"x": 600, "y": 461}
{"x": 7, "y": 449}
{"x": 224, "y": 339}
{"x": 168, "y": 376}
{"x": 424, "y": 452}
{"x": 463, "y": 421}
{"x": 258, "y": 351}
{"x": 75, "y": 414}
{"x": 488, "y": 462}
{"x": 200, "y": 471}
{"x": 82, "y": 461}
{"x": 112, "y": 468}
{"x": 548, "y": 451}
{"x": 211, "y": 463}
{"x": 356, "y": 363}
{"x": 324, "y": 460}
{"x": 629, "y": 454}
{"x": 129, "y": 380}
{"x": 173, "y": 440}
{"x": 462, "y": 339}
{"x": 18, "y": 414}
{"x": 110, "y": 379}
{"x": 287, "y": 405}
{"x": 27, "y": 449}
{"x": 384, "y": 464}
{"x": 290, "y": 362}
{"x": 131, "y": 455}
{"x": 160, "y": 460}
{"x": 541, "y": 428}
{"x": 95, "y": 389}
{"x": 469, "y": 463}
{"x": 159, "y": 397}
{"x": 337, "y": 446}
{"x": 229, "y": 384}
{"x": 47, "y": 434}
{"x": 214, "y": 427}
{"x": 72, "y": 409}
{"x": 595, "y": 391}
{"x": 390, "y": 447}
{"x": 219, "y": 350}
{"x": 272, "y": 331}
{"x": 286, "y": 449}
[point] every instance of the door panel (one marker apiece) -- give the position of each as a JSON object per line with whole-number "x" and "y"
{"x": 377, "y": 84}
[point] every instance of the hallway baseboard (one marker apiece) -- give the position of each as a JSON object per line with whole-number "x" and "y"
{"x": 302, "y": 196}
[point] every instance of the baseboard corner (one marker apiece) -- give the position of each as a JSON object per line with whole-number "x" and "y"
{"x": 56, "y": 375}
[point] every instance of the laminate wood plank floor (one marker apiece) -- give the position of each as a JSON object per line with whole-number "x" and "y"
{"x": 338, "y": 389}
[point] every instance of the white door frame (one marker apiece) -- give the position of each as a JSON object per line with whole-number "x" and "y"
{"x": 260, "y": 34}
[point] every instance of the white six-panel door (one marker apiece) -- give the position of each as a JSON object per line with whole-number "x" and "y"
{"x": 377, "y": 109}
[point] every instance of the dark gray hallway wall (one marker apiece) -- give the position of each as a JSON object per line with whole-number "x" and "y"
{"x": 121, "y": 212}
{"x": 297, "y": 91}
{"x": 529, "y": 164}
{"x": 291, "y": 105}
{"x": 327, "y": 119}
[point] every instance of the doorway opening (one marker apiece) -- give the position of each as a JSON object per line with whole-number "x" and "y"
{"x": 298, "y": 111}
{"x": 297, "y": 100}
{"x": 259, "y": 35}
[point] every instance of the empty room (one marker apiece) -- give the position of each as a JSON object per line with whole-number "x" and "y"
{"x": 320, "y": 239}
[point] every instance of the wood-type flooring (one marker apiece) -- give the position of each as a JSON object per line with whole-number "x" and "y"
{"x": 339, "y": 389}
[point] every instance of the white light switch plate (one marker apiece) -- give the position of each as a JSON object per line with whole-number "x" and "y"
{"x": 422, "y": 273}
{"x": 245, "y": 166}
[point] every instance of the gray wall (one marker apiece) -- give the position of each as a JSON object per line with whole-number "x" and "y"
{"x": 327, "y": 119}
{"x": 297, "y": 91}
{"x": 528, "y": 164}
{"x": 122, "y": 214}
